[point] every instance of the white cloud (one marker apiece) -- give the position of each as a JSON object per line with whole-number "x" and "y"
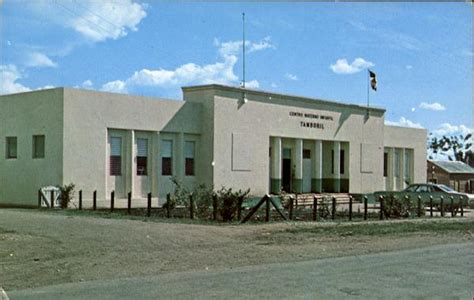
{"x": 413, "y": 109}
{"x": 404, "y": 123}
{"x": 233, "y": 47}
{"x": 220, "y": 72}
{"x": 448, "y": 129}
{"x": 101, "y": 20}
{"x": 432, "y": 106}
{"x": 116, "y": 86}
{"x": 343, "y": 67}
{"x": 87, "y": 84}
{"x": 9, "y": 75}
{"x": 39, "y": 60}
{"x": 291, "y": 76}
{"x": 409, "y": 67}
{"x": 253, "y": 84}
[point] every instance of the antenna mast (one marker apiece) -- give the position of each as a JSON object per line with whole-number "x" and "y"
{"x": 243, "y": 51}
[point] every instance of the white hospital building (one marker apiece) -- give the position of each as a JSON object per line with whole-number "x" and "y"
{"x": 217, "y": 135}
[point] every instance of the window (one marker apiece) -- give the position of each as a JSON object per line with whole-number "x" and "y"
{"x": 332, "y": 161}
{"x": 385, "y": 164}
{"x": 407, "y": 164}
{"x": 38, "y": 146}
{"x": 115, "y": 156}
{"x": 142, "y": 157}
{"x": 11, "y": 147}
{"x": 167, "y": 158}
{"x": 341, "y": 162}
{"x": 189, "y": 157}
{"x": 396, "y": 154}
{"x": 306, "y": 153}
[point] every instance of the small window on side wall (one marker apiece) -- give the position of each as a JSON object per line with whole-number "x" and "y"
{"x": 167, "y": 157}
{"x": 38, "y": 146}
{"x": 11, "y": 147}
{"x": 142, "y": 157}
{"x": 189, "y": 156}
{"x": 115, "y": 159}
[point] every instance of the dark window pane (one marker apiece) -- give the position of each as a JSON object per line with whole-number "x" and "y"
{"x": 38, "y": 146}
{"x": 142, "y": 165}
{"x": 11, "y": 144}
{"x": 332, "y": 161}
{"x": 166, "y": 166}
{"x": 385, "y": 164}
{"x": 190, "y": 166}
{"x": 115, "y": 165}
{"x": 341, "y": 162}
{"x": 306, "y": 153}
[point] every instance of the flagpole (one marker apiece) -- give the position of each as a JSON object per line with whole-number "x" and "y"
{"x": 368, "y": 92}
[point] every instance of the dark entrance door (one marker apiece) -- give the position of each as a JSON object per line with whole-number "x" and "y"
{"x": 286, "y": 175}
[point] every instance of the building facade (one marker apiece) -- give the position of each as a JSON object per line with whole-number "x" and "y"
{"x": 455, "y": 174}
{"x": 218, "y": 135}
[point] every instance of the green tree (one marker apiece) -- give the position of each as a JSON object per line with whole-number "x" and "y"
{"x": 455, "y": 147}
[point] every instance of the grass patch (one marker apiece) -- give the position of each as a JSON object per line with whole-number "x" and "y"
{"x": 388, "y": 228}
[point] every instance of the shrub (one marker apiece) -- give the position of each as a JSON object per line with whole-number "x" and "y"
{"x": 202, "y": 196}
{"x": 228, "y": 202}
{"x": 67, "y": 192}
{"x": 398, "y": 207}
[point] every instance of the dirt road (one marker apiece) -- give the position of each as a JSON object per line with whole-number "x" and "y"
{"x": 435, "y": 272}
{"x": 39, "y": 248}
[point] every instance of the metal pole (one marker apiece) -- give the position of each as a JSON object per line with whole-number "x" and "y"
{"x": 80, "y": 200}
{"x": 315, "y": 208}
{"x": 431, "y": 206}
{"x": 267, "y": 209}
{"x": 112, "y": 201}
{"x": 148, "y": 209}
{"x": 191, "y": 206}
{"x": 350, "y": 208}
{"x": 462, "y": 204}
{"x": 442, "y": 206}
{"x": 39, "y": 198}
{"x": 51, "y": 198}
{"x": 94, "y": 200}
{"x": 333, "y": 214}
{"x": 419, "y": 206}
{"x": 381, "y": 207}
{"x": 365, "y": 207}
{"x": 129, "y": 202}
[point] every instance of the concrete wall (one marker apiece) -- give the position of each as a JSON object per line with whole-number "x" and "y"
{"x": 89, "y": 115}
{"x": 409, "y": 138}
{"x": 24, "y": 115}
{"x": 265, "y": 115}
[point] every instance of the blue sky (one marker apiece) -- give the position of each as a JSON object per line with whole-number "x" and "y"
{"x": 421, "y": 52}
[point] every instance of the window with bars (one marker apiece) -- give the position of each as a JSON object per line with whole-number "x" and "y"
{"x": 142, "y": 157}
{"x": 115, "y": 156}
{"x": 189, "y": 158}
{"x": 11, "y": 147}
{"x": 166, "y": 157}
{"x": 38, "y": 146}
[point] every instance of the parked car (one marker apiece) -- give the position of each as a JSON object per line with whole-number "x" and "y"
{"x": 431, "y": 192}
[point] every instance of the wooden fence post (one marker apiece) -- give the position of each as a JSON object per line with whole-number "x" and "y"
{"x": 365, "y": 207}
{"x": 462, "y": 206}
{"x": 291, "y": 209}
{"x": 333, "y": 214}
{"x": 267, "y": 209}
{"x": 350, "y": 208}
{"x": 148, "y": 207}
{"x": 80, "y": 200}
{"x": 315, "y": 208}
{"x": 39, "y": 198}
{"x": 431, "y": 206}
{"x": 419, "y": 206}
{"x": 191, "y": 206}
{"x": 214, "y": 207}
{"x": 452, "y": 206}
{"x": 442, "y": 206}
{"x": 112, "y": 201}
{"x": 381, "y": 207}
{"x": 94, "y": 200}
{"x": 51, "y": 198}
{"x": 129, "y": 202}
{"x": 168, "y": 200}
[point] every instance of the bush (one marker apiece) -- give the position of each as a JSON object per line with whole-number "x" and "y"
{"x": 399, "y": 207}
{"x": 228, "y": 202}
{"x": 67, "y": 192}
{"x": 202, "y": 196}
{"x": 180, "y": 195}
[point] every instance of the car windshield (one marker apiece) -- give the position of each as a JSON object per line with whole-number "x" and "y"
{"x": 411, "y": 188}
{"x": 445, "y": 188}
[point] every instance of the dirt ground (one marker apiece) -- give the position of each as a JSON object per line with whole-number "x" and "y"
{"x": 39, "y": 248}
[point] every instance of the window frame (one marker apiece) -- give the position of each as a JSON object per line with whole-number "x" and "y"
{"x": 191, "y": 160}
{"x": 140, "y": 159}
{"x": 118, "y": 157}
{"x": 35, "y": 144}
{"x": 7, "y": 147}
{"x": 167, "y": 160}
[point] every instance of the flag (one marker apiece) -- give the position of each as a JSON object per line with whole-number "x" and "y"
{"x": 373, "y": 80}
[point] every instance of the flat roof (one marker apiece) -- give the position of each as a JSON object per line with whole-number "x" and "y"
{"x": 295, "y": 98}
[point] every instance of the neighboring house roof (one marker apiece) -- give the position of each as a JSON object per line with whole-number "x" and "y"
{"x": 454, "y": 167}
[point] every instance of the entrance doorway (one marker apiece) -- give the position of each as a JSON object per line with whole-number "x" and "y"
{"x": 286, "y": 170}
